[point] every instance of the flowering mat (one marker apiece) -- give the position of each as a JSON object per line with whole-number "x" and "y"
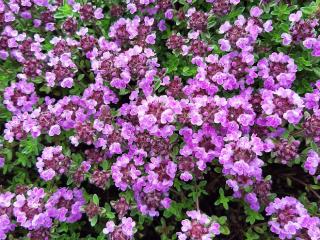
{"x": 159, "y": 119}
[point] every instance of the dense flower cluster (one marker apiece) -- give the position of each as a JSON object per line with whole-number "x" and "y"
{"x": 52, "y": 162}
{"x": 291, "y": 219}
{"x": 124, "y": 230}
{"x": 138, "y": 111}
{"x": 31, "y": 209}
{"x": 199, "y": 227}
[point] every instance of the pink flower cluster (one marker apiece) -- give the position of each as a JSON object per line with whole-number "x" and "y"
{"x": 200, "y": 226}
{"x": 52, "y": 162}
{"x": 291, "y": 219}
{"x": 124, "y": 230}
{"x": 30, "y": 209}
{"x": 141, "y": 121}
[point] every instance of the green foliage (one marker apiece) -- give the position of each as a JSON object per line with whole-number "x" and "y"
{"x": 223, "y": 200}
{"x": 252, "y": 216}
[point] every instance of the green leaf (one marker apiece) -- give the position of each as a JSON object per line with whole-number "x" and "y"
{"x": 309, "y": 10}
{"x": 259, "y": 230}
{"x": 251, "y": 235}
{"x": 175, "y": 210}
{"x": 157, "y": 84}
{"x": 223, "y": 200}
{"x": 30, "y": 146}
{"x": 211, "y": 21}
{"x": 222, "y": 220}
{"x": 93, "y": 221}
{"x": 189, "y": 71}
{"x": 63, "y": 12}
{"x": 172, "y": 63}
{"x": 174, "y": 138}
{"x": 316, "y": 70}
{"x": 95, "y": 199}
{"x": 110, "y": 215}
{"x": 315, "y": 187}
{"x": 124, "y": 91}
{"x": 235, "y": 13}
{"x": 4, "y": 113}
{"x": 224, "y": 230}
{"x": 252, "y": 216}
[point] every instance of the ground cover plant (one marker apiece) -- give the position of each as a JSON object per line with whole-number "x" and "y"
{"x": 159, "y": 119}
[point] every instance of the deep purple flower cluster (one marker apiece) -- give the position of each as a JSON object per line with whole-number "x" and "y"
{"x": 125, "y": 230}
{"x": 199, "y": 227}
{"x": 128, "y": 100}
{"x": 291, "y": 219}
{"x": 20, "y": 97}
{"x": 65, "y": 205}
{"x": 312, "y": 163}
{"x": 30, "y": 209}
{"x": 52, "y": 162}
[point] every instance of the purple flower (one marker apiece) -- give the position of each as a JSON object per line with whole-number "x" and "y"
{"x": 125, "y": 172}
{"x": 65, "y": 205}
{"x": 125, "y": 230}
{"x": 161, "y": 173}
{"x": 278, "y": 70}
{"x": 286, "y": 39}
{"x": 20, "y": 126}
{"x": 2, "y": 162}
{"x": 29, "y": 210}
{"x": 199, "y": 226}
{"x": 6, "y": 226}
{"x": 149, "y": 200}
{"x": 312, "y": 162}
{"x": 52, "y": 162}
{"x": 20, "y": 97}
{"x": 295, "y": 17}
{"x": 282, "y": 104}
{"x": 288, "y": 216}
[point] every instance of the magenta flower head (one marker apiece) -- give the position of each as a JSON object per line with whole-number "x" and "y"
{"x": 20, "y": 97}
{"x": 199, "y": 226}
{"x": 52, "y": 162}
{"x": 6, "y": 224}
{"x": 97, "y": 95}
{"x": 312, "y": 162}
{"x": 239, "y": 67}
{"x": 46, "y": 120}
{"x": 125, "y": 230}
{"x": 29, "y": 210}
{"x": 125, "y": 172}
{"x": 158, "y": 114}
{"x": 281, "y": 105}
{"x": 198, "y": 20}
{"x": 222, "y": 7}
{"x": 149, "y": 200}
{"x": 20, "y": 126}
{"x": 300, "y": 29}
{"x": 242, "y": 165}
{"x": 65, "y": 205}
{"x": 243, "y": 33}
{"x": 204, "y": 145}
{"x": 6, "y": 200}
{"x": 161, "y": 173}
{"x": 242, "y": 157}
{"x": 2, "y": 161}
{"x": 288, "y": 217}
{"x": 70, "y": 110}
{"x": 311, "y": 127}
{"x": 124, "y": 29}
{"x": 287, "y": 151}
{"x": 278, "y": 70}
